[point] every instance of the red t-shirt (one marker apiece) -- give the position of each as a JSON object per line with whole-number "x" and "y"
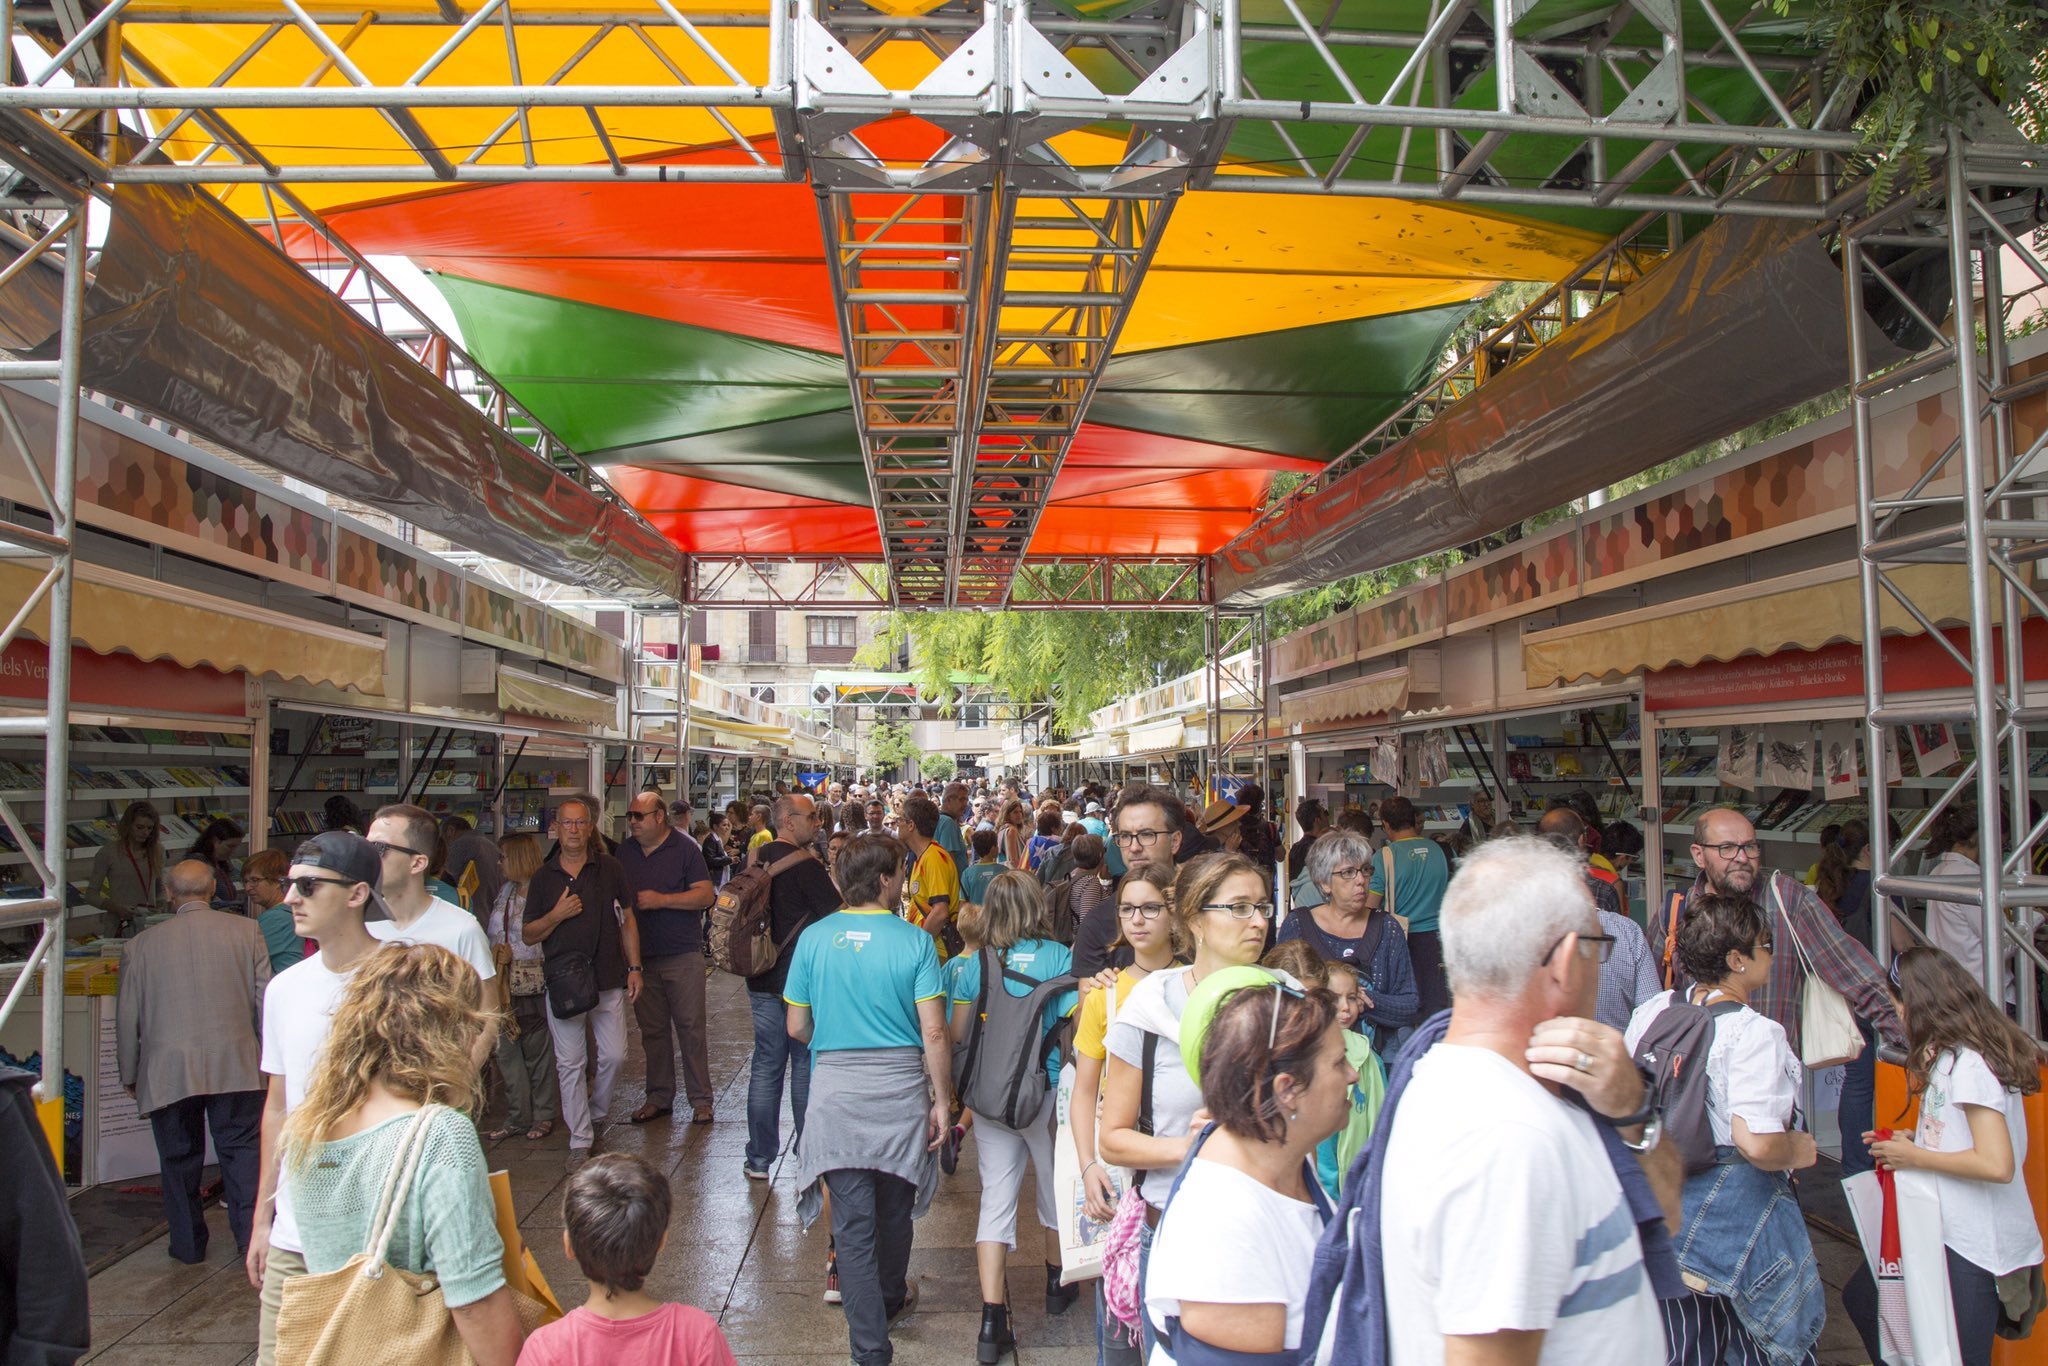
{"x": 673, "y": 1335}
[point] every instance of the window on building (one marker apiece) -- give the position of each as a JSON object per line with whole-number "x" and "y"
{"x": 973, "y": 716}
{"x": 833, "y": 631}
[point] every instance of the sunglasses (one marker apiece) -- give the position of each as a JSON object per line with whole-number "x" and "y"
{"x": 637, "y": 816}
{"x": 384, "y": 847}
{"x": 306, "y": 883}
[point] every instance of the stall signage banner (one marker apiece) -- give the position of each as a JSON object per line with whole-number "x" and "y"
{"x": 1911, "y": 664}
{"x": 122, "y": 682}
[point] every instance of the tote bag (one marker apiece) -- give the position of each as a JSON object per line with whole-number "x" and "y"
{"x": 1898, "y": 1221}
{"x": 1828, "y": 1036}
{"x": 1082, "y": 1237}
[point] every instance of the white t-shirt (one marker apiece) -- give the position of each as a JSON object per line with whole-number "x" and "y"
{"x": 1750, "y": 1069}
{"x": 449, "y": 926}
{"x": 1989, "y": 1223}
{"x": 1272, "y": 1242}
{"x": 1501, "y": 1212}
{"x": 1154, "y": 1006}
{"x": 298, "y": 1013}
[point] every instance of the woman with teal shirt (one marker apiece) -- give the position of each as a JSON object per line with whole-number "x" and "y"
{"x": 263, "y": 877}
{"x": 1012, "y": 931}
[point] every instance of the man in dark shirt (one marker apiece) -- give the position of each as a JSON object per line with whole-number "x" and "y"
{"x": 1314, "y": 819}
{"x": 671, "y": 886}
{"x": 800, "y": 895}
{"x": 579, "y": 903}
{"x": 1148, "y": 823}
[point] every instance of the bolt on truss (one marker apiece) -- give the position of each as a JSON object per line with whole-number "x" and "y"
{"x": 53, "y": 549}
{"x": 1978, "y": 509}
{"x": 1237, "y": 729}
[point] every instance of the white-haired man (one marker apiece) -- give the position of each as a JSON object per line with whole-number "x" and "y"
{"x": 1510, "y": 1229}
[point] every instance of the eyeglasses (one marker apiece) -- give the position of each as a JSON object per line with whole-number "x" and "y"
{"x": 1731, "y": 850}
{"x": 1142, "y": 910}
{"x": 1243, "y": 910}
{"x": 384, "y": 847}
{"x": 1602, "y": 946}
{"x": 1356, "y": 874}
{"x": 1763, "y": 945}
{"x": 305, "y": 883}
{"x": 572, "y": 825}
{"x": 1131, "y": 839}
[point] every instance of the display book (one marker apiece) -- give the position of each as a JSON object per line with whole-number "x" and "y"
{"x": 1598, "y": 749}
{"x": 185, "y": 774}
{"x": 363, "y": 758}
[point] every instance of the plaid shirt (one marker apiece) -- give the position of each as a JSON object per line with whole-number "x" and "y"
{"x": 1629, "y": 976}
{"x": 1841, "y": 962}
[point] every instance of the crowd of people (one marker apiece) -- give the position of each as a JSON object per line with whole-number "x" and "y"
{"x": 1417, "y": 1118}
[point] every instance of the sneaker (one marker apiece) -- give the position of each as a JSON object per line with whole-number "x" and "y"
{"x": 949, "y": 1150}
{"x": 832, "y": 1278}
{"x": 577, "y": 1157}
{"x": 754, "y": 1173}
{"x": 909, "y": 1305}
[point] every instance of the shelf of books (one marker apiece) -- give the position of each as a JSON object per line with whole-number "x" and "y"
{"x": 374, "y": 762}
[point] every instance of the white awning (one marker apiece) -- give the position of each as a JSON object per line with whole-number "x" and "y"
{"x": 1151, "y": 739}
{"x": 1351, "y": 700}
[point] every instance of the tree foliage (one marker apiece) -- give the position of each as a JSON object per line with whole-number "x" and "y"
{"x": 888, "y": 746}
{"x": 937, "y": 767}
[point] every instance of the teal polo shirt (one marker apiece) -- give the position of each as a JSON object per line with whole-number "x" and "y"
{"x": 1039, "y": 959}
{"x": 1421, "y": 872}
{"x": 861, "y": 974}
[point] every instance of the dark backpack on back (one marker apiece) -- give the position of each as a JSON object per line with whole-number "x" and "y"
{"x": 1059, "y": 910}
{"x": 1674, "y": 1051}
{"x": 1000, "y": 1074}
{"x": 742, "y": 940}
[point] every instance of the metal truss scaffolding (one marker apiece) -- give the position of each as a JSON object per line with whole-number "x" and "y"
{"x": 1237, "y": 712}
{"x": 1162, "y": 583}
{"x": 1978, "y": 508}
{"x": 657, "y": 699}
{"x": 52, "y": 549}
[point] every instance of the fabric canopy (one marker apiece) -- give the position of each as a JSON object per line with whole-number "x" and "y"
{"x": 112, "y": 613}
{"x": 535, "y": 696}
{"x": 1151, "y": 739}
{"x": 1800, "y": 612}
{"x": 1348, "y": 701}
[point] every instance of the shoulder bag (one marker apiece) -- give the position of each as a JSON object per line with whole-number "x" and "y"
{"x": 370, "y": 1309}
{"x": 1828, "y": 1036}
{"x": 1387, "y": 902}
{"x": 523, "y": 976}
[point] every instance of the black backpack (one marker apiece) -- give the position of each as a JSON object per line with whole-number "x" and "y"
{"x": 1674, "y": 1051}
{"x": 1000, "y": 1074}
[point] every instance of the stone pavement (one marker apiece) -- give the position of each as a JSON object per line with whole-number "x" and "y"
{"x": 735, "y": 1250}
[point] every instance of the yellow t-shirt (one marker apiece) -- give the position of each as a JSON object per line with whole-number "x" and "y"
{"x": 933, "y": 878}
{"x": 1092, "y": 1026}
{"x": 759, "y": 838}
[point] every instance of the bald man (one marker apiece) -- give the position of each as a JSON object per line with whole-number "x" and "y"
{"x": 1726, "y": 851}
{"x": 188, "y": 1025}
{"x": 1629, "y": 976}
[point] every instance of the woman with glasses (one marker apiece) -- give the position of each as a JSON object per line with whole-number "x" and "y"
{"x": 1741, "y": 1212}
{"x": 1147, "y": 929}
{"x": 1344, "y": 929}
{"x": 1150, "y": 1106}
{"x": 1273, "y": 1074}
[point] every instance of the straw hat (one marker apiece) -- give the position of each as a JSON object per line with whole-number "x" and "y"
{"x": 1219, "y": 814}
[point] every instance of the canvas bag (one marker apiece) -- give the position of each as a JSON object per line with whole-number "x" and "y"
{"x": 1828, "y": 1036}
{"x": 741, "y": 939}
{"x": 371, "y": 1310}
{"x": 1898, "y": 1221}
{"x": 1081, "y": 1238}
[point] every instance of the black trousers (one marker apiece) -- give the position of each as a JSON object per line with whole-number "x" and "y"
{"x": 236, "y": 1120}
{"x": 1971, "y": 1289}
{"x": 1426, "y": 952}
{"x": 871, "y": 1235}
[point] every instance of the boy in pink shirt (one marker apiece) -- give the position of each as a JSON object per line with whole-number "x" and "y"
{"x": 615, "y": 1225}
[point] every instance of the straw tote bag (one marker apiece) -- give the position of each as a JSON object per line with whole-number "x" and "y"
{"x": 371, "y": 1310}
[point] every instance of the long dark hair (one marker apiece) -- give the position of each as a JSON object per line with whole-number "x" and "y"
{"x": 1837, "y": 858}
{"x": 1946, "y": 1009}
{"x": 1957, "y": 825}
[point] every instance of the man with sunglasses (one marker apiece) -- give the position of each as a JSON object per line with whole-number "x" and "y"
{"x": 1730, "y": 860}
{"x": 404, "y": 837}
{"x": 330, "y": 887}
{"x": 671, "y": 889}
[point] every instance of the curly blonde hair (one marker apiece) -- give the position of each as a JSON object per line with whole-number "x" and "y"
{"x": 408, "y": 1020}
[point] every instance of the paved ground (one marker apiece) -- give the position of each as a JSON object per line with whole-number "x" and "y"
{"x": 735, "y": 1251}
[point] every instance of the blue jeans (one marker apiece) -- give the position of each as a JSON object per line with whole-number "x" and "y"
{"x": 774, "y": 1053}
{"x": 1857, "y": 1114}
{"x": 1147, "y": 1339}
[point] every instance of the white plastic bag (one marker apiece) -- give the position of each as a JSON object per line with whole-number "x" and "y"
{"x": 1828, "y": 1036}
{"x": 1918, "y": 1329}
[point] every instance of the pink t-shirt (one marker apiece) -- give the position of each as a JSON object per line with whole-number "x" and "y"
{"x": 673, "y": 1335}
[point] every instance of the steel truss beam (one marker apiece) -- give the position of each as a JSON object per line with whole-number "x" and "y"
{"x": 1168, "y": 583}
{"x": 1980, "y": 507}
{"x": 53, "y": 549}
{"x": 1236, "y": 644}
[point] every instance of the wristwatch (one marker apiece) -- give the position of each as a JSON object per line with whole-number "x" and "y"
{"x": 634, "y": 967}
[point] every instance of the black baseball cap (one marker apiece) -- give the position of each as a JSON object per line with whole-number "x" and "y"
{"x": 347, "y": 854}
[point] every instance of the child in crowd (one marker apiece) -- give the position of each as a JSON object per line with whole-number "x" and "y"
{"x": 1334, "y": 1154}
{"x": 968, "y": 922}
{"x": 975, "y": 877}
{"x": 615, "y": 1225}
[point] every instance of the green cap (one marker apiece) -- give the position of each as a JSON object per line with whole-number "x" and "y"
{"x": 1203, "y": 1003}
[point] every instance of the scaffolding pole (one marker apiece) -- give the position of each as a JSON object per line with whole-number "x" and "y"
{"x": 1978, "y": 511}
{"x": 55, "y": 549}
